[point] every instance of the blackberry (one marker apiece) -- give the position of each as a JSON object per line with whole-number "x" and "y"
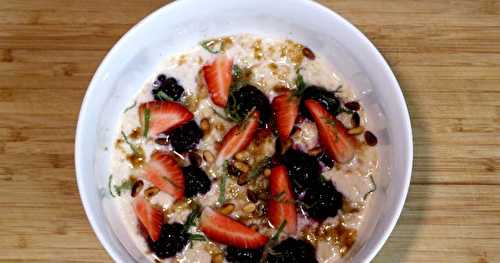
{"x": 239, "y": 255}
{"x": 326, "y": 98}
{"x": 322, "y": 201}
{"x": 196, "y": 181}
{"x": 292, "y": 250}
{"x": 172, "y": 239}
{"x": 303, "y": 169}
{"x": 186, "y": 137}
{"x": 244, "y": 99}
{"x": 167, "y": 88}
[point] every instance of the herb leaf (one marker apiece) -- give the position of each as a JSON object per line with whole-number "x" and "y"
{"x": 197, "y": 237}
{"x": 147, "y": 116}
{"x": 132, "y": 147}
{"x": 163, "y": 96}
{"x": 280, "y": 229}
{"x": 192, "y": 217}
{"x": 125, "y": 185}
{"x": 299, "y": 84}
{"x": 222, "y": 187}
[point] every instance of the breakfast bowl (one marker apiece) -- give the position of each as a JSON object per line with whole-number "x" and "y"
{"x": 183, "y": 24}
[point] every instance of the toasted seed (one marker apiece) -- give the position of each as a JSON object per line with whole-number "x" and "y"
{"x": 267, "y": 172}
{"x": 194, "y": 159}
{"x": 242, "y": 179}
{"x": 353, "y": 105}
{"x": 242, "y": 166}
{"x": 315, "y": 151}
{"x": 370, "y": 138}
{"x": 308, "y": 53}
{"x": 136, "y": 188}
{"x": 249, "y": 208}
{"x": 356, "y": 131}
{"x": 227, "y": 208}
{"x": 205, "y": 125}
{"x": 208, "y": 156}
{"x": 254, "y": 227}
{"x": 252, "y": 196}
{"x": 218, "y": 258}
{"x": 242, "y": 156}
{"x": 151, "y": 191}
{"x": 356, "y": 120}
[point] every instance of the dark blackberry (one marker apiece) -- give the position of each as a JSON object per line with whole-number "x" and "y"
{"x": 303, "y": 169}
{"x": 322, "y": 201}
{"x": 196, "y": 181}
{"x": 239, "y": 255}
{"x": 292, "y": 250}
{"x": 186, "y": 137}
{"x": 172, "y": 239}
{"x": 325, "y": 159}
{"x": 167, "y": 89}
{"x": 244, "y": 99}
{"x": 323, "y": 96}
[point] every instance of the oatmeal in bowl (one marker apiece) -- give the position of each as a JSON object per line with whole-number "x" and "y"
{"x": 244, "y": 149}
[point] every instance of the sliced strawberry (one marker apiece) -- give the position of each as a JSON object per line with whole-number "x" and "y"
{"x": 225, "y": 230}
{"x": 162, "y": 171}
{"x": 150, "y": 217}
{"x": 333, "y": 135}
{"x": 163, "y": 116}
{"x": 218, "y": 77}
{"x": 281, "y": 206}
{"x": 238, "y": 138}
{"x": 286, "y": 109}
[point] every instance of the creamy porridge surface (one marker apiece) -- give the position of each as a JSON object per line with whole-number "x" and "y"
{"x": 239, "y": 185}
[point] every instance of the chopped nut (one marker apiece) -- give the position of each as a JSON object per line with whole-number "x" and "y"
{"x": 252, "y": 196}
{"x": 151, "y": 191}
{"x": 267, "y": 172}
{"x": 356, "y": 131}
{"x": 370, "y": 138}
{"x": 353, "y": 105}
{"x": 242, "y": 179}
{"x": 242, "y": 156}
{"x": 205, "y": 125}
{"x": 227, "y": 208}
{"x": 308, "y": 53}
{"x": 136, "y": 188}
{"x": 208, "y": 156}
{"x": 218, "y": 258}
{"x": 242, "y": 166}
{"x": 249, "y": 208}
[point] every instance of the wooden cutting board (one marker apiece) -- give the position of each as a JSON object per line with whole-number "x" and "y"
{"x": 446, "y": 55}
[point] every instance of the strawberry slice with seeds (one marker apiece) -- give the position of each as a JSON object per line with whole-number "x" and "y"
{"x": 281, "y": 206}
{"x": 286, "y": 109}
{"x": 162, "y": 171}
{"x": 225, "y": 230}
{"x": 218, "y": 76}
{"x": 333, "y": 136}
{"x": 163, "y": 116}
{"x": 238, "y": 138}
{"x": 149, "y": 216}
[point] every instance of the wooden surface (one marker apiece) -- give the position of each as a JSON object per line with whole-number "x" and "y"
{"x": 445, "y": 53}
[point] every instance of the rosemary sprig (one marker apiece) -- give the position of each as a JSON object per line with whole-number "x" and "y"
{"x": 147, "y": 117}
{"x": 192, "y": 217}
{"x": 132, "y": 147}
{"x": 197, "y": 237}
{"x": 280, "y": 229}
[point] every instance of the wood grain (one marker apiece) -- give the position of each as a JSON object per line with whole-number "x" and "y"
{"x": 446, "y": 55}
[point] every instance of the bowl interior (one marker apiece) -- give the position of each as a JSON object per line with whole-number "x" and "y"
{"x": 183, "y": 24}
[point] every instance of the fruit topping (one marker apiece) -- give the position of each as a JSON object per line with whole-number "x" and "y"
{"x": 218, "y": 77}
{"x": 149, "y": 216}
{"x": 286, "y": 109}
{"x": 322, "y": 201}
{"x": 292, "y": 250}
{"x": 243, "y": 100}
{"x": 162, "y": 171}
{"x": 326, "y": 98}
{"x": 238, "y": 138}
{"x": 162, "y": 116}
{"x": 225, "y": 230}
{"x": 165, "y": 89}
{"x": 185, "y": 137}
{"x": 172, "y": 240}
{"x": 333, "y": 136}
{"x": 281, "y": 205}
{"x": 240, "y": 255}
{"x": 197, "y": 181}
{"x": 303, "y": 170}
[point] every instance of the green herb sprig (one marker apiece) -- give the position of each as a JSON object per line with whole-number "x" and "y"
{"x": 147, "y": 117}
{"x": 132, "y": 146}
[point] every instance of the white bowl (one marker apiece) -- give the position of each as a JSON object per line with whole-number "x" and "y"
{"x": 183, "y": 24}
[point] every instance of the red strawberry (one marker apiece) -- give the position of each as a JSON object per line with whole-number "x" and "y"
{"x": 150, "y": 217}
{"x": 333, "y": 135}
{"x": 164, "y": 116}
{"x": 163, "y": 172}
{"x": 282, "y": 205}
{"x": 286, "y": 109}
{"x": 225, "y": 230}
{"x": 238, "y": 138}
{"x": 218, "y": 77}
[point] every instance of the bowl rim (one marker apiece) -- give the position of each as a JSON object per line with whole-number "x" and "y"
{"x": 98, "y": 229}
